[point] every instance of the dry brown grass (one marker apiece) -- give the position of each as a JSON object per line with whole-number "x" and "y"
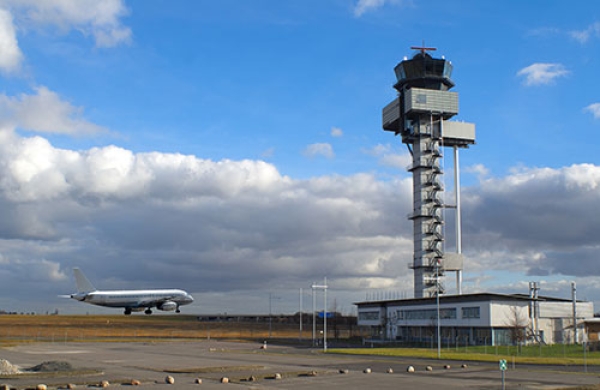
{"x": 137, "y": 327}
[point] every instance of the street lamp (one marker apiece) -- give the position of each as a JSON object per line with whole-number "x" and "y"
{"x": 324, "y": 288}
{"x": 437, "y": 298}
{"x": 270, "y": 315}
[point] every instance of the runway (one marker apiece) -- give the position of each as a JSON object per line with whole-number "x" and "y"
{"x": 247, "y": 366}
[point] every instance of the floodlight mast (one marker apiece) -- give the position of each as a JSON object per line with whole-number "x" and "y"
{"x": 420, "y": 116}
{"x": 324, "y": 288}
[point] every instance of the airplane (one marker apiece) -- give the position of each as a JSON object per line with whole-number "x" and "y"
{"x": 130, "y": 300}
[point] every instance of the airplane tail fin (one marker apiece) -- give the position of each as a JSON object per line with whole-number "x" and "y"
{"x": 83, "y": 284}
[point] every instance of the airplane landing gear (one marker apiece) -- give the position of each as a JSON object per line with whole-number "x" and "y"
{"x": 127, "y": 311}
{"x": 148, "y": 311}
{"x": 177, "y": 310}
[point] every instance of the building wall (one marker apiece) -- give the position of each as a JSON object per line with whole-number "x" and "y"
{"x": 508, "y": 314}
{"x": 565, "y": 310}
{"x": 486, "y": 321}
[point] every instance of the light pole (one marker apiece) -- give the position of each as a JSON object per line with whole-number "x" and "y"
{"x": 300, "y": 311}
{"x": 324, "y": 288}
{"x": 437, "y": 299}
{"x": 270, "y": 315}
{"x": 314, "y": 321}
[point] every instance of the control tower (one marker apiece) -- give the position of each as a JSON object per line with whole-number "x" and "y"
{"x": 420, "y": 115}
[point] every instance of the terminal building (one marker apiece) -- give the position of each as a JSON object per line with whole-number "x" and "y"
{"x": 477, "y": 319}
{"x": 420, "y": 115}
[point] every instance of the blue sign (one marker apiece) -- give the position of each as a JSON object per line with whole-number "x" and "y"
{"x": 320, "y": 314}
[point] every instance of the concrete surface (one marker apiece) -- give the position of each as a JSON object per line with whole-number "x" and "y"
{"x": 300, "y": 368}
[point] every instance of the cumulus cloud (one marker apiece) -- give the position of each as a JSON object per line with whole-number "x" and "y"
{"x": 364, "y": 6}
{"x": 10, "y": 54}
{"x": 228, "y": 227}
{"x": 270, "y": 152}
{"x": 536, "y": 220}
{"x": 583, "y": 36}
{"x": 478, "y": 169}
{"x": 542, "y": 73}
{"x": 389, "y": 157}
{"x": 319, "y": 149}
{"x": 336, "y": 132}
{"x": 44, "y": 112}
{"x": 594, "y": 109}
{"x": 161, "y": 216}
{"x": 101, "y": 19}
{"x": 544, "y": 31}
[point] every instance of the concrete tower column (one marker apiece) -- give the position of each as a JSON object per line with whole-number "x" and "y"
{"x": 420, "y": 115}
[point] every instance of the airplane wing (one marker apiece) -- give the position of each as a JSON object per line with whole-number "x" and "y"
{"x": 153, "y": 302}
{"x": 146, "y": 303}
{"x": 163, "y": 303}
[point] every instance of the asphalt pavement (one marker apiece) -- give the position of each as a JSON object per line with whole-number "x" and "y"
{"x": 249, "y": 366}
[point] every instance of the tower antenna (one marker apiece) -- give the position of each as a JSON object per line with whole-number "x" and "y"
{"x": 423, "y": 49}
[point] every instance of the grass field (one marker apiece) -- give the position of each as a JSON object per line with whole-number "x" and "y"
{"x": 100, "y": 328}
{"x": 548, "y": 354}
{"x": 24, "y": 328}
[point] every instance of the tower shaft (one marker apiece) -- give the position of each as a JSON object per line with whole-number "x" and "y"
{"x": 428, "y": 203}
{"x": 420, "y": 115}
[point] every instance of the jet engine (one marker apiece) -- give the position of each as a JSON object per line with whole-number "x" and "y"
{"x": 167, "y": 306}
{"x": 79, "y": 296}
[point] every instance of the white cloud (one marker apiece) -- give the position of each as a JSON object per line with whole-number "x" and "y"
{"x": 10, "y": 54}
{"x": 319, "y": 149}
{"x": 160, "y": 215}
{"x": 377, "y": 150}
{"x": 36, "y": 171}
{"x": 399, "y": 161}
{"x": 364, "y": 6}
{"x": 45, "y": 112}
{"x": 101, "y": 19}
{"x": 336, "y": 132}
{"x": 537, "y": 213}
{"x": 167, "y": 218}
{"x": 542, "y": 73}
{"x": 479, "y": 169}
{"x": 544, "y": 31}
{"x": 388, "y": 157}
{"x": 583, "y": 36}
{"x": 270, "y": 152}
{"x": 594, "y": 108}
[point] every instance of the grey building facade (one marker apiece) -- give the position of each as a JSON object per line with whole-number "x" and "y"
{"x": 473, "y": 319}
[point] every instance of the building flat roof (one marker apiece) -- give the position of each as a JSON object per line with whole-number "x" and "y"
{"x": 485, "y": 296}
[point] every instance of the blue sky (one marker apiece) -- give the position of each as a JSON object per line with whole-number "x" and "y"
{"x": 235, "y": 148}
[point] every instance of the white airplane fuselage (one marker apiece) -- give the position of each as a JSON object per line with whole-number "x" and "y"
{"x": 130, "y": 300}
{"x": 134, "y": 298}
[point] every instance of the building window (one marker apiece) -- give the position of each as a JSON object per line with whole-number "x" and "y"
{"x": 448, "y": 313}
{"x": 471, "y": 312}
{"x": 368, "y": 315}
{"x": 426, "y": 314}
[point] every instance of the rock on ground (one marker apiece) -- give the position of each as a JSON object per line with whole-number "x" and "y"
{"x": 52, "y": 366}
{"x": 7, "y": 369}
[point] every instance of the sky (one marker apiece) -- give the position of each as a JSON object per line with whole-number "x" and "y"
{"x": 234, "y": 149}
